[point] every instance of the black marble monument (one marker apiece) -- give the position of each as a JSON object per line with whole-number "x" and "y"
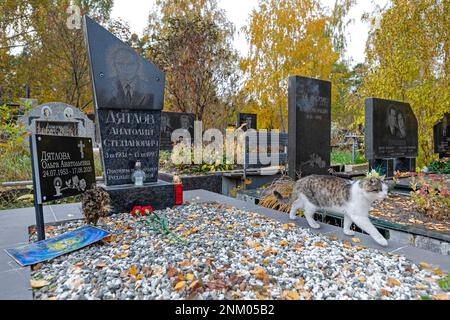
{"x": 391, "y": 136}
{"x": 171, "y": 121}
{"x": 249, "y": 118}
{"x": 129, "y": 96}
{"x": 309, "y": 126}
{"x": 442, "y": 137}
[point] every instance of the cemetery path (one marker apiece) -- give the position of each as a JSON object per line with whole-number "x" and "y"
{"x": 15, "y": 281}
{"x": 14, "y": 223}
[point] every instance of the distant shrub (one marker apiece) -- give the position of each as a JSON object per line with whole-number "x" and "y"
{"x": 431, "y": 196}
{"x": 440, "y": 166}
{"x": 15, "y": 161}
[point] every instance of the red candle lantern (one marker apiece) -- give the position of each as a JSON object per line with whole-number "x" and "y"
{"x": 178, "y": 194}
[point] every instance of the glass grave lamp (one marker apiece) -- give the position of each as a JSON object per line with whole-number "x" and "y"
{"x": 138, "y": 176}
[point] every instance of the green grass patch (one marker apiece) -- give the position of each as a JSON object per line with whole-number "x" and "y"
{"x": 346, "y": 158}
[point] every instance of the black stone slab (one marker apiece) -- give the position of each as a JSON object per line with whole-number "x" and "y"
{"x": 171, "y": 121}
{"x": 127, "y": 137}
{"x": 309, "y": 126}
{"x": 390, "y": 130}
{"x": 249, "y": 118}
{"x": 128, "y": 95}
{"x": 442, "y": 137}
{"x": 159, "y": 195}
{"x": 64, "y": 166}
{"x": 391, "y": 136}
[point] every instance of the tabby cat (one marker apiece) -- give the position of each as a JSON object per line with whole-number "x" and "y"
{"x": 351, "y": 198}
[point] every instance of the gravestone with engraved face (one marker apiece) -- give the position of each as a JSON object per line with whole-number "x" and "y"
{"x": 309, "y": 126}
{"x": 442, "y": 137}
{"x": 59, "y": 119}
{"x": 391, "y": 136}
{"x": 129, "y": 96}
{"x": 250, "y": 119}
{"x": 171, "y": 121}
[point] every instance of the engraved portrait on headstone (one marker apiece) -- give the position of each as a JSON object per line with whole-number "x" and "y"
{"x": 249, "y": 119}
{"x": 130, "y": 89}
{"x": 128, "y": 97}
{"x": 171, "y": 121}
{"x": 249, "y": 122}
{"x": 396, "y": 123}
{"x": 442, "y": 137}
{"x": 165, "y": 124}
{"x": 391, "y": 136}
{"x": 185, "y": 123}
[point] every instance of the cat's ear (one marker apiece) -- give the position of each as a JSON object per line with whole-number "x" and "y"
{"x": 383, "y": 177}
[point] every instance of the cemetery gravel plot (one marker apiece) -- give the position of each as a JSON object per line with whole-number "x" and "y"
{"x": 402, "y": 210}
{"x": 228, "y": 254}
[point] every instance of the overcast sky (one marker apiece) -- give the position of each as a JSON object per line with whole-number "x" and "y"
{"x": 135, "y": 12}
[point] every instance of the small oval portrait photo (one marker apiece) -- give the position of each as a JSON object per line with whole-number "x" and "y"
{"x": 46, "y": 111}
{"x": 68, "y": 113}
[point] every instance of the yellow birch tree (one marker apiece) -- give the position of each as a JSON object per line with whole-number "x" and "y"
{"x": 408, "y": 59}
{"x": 286, "y": 37}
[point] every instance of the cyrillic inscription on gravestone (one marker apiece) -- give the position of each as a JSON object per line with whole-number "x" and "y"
{"x": 127, "y": 137}
{"x": 64, "y": 166}
{"x": 129, "y": 96}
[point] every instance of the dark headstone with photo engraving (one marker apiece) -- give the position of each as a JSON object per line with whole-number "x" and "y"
{"x": 391, "y": 136}
{"x": 171, "y": 121}
{"x": 128, "y": 96}
{"x": 442, "y": 137}
{"x": 250, "y": 120}
{"x": 309, "y": 126}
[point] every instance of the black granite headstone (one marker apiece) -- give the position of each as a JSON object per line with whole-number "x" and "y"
{"x": 309, "y": 126}
{"x": 129, "y": 96}
{"x": 250, "y": 119}
{"x": 171, "y": 121}
{"x": 442, "y": 137}
{"x": 63, "y": 166}
{"x": 391, "y": 136}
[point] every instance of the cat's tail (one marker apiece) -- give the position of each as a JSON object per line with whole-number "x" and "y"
{"x": 281, "y": 198}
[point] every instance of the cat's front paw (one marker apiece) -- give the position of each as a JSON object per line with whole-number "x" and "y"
{"x": 382, "y": 242}
{"x": 349, "y": 233}
{"x": 293, "y": 217}
{"x": 314, "y": 225}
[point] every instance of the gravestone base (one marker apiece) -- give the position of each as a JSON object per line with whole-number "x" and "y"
{"x": 160, "y": 195}
{"x": 384, "y": 166}
{"x": 390, "y": 166}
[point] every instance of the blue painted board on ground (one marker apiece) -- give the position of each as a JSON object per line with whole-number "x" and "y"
{"x": 33, "y": 253}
